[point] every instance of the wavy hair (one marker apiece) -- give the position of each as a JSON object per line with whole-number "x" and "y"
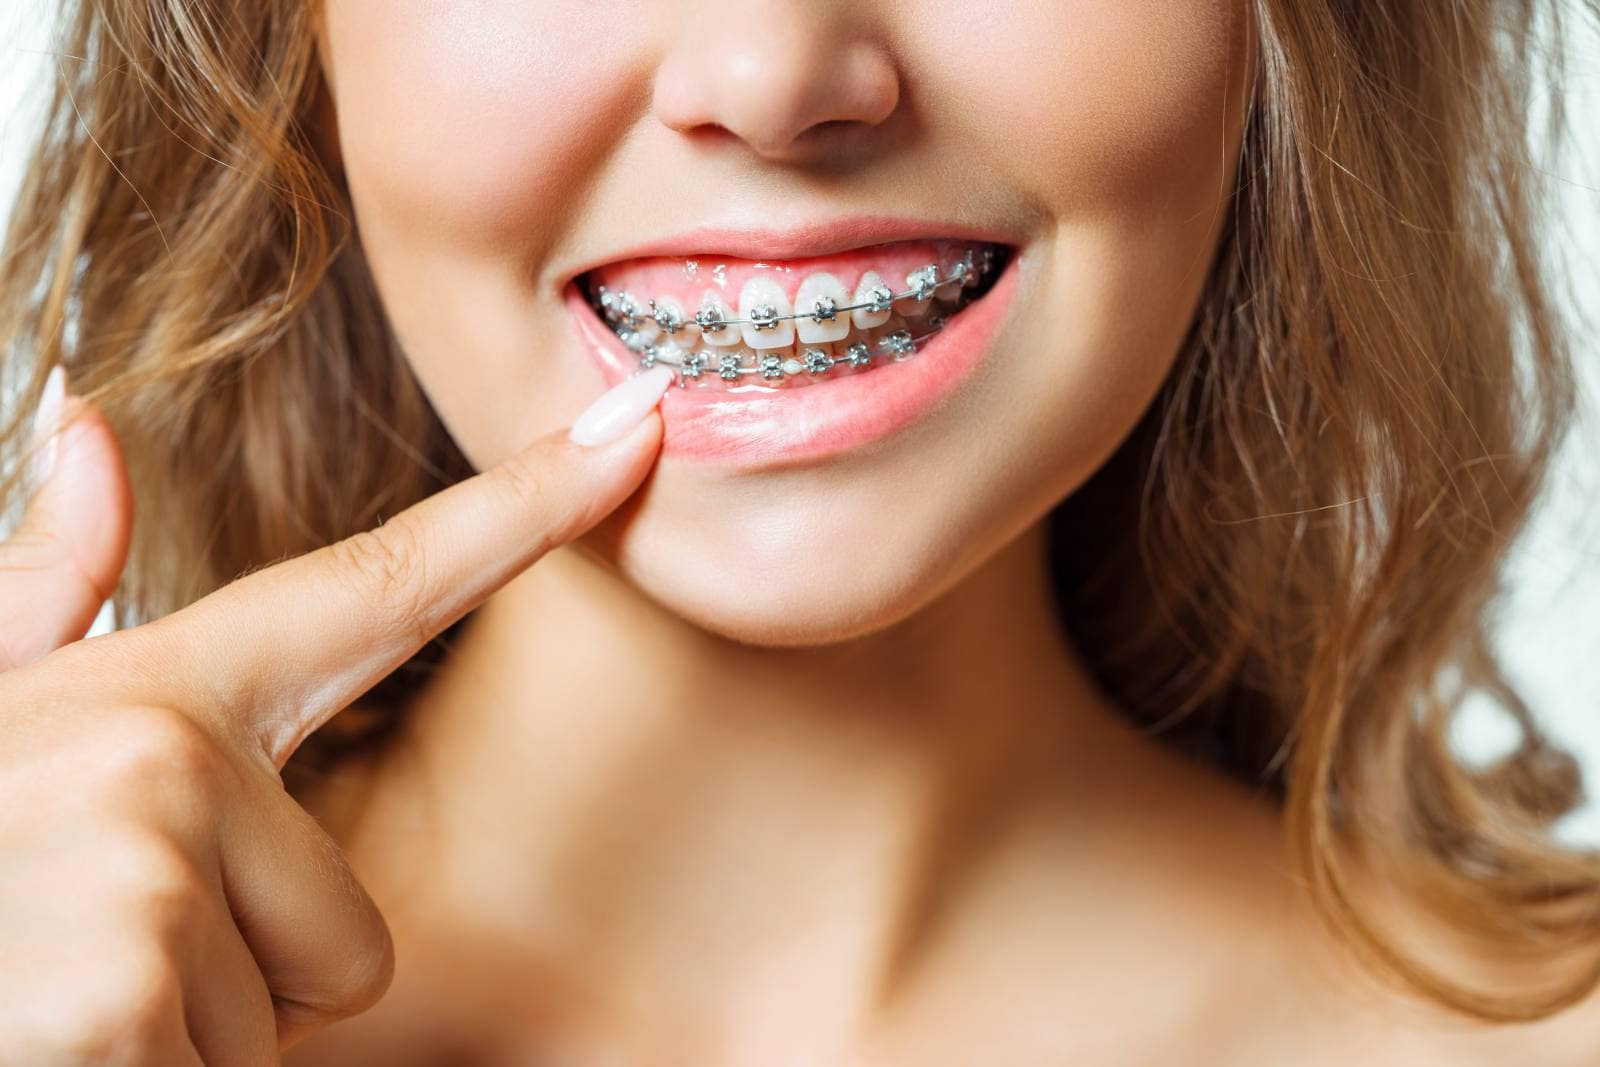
{"x": 1289, "y": 569}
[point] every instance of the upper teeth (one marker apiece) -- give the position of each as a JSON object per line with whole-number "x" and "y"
{"x": 771, "y": 308}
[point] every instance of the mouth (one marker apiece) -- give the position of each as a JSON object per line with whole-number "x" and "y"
{"x": 782, "y": 360}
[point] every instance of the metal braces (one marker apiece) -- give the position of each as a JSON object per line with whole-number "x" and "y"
{"x": 624, "y": 313}
{"x": 729, "y": 366}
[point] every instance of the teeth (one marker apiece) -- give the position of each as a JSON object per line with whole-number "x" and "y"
{"x": 817, "y": 302}
{"x": 816, "y": 359}
{"x": 763, "y": 303}
{"x": 630, "y": 316}
{"x": 761, "y": 348}
{"x": 669, "y": 318}
{"x": 694, "y": 364}
{"x": 923, "y": 283}
{"x": 970, "y": 268}
{"x": 858, "y": 354}
{"x": 737, "y": 358}
{"x": 870, "y": 289}
{"x": 900, "y": 344}
{"x": 713, "y": 311}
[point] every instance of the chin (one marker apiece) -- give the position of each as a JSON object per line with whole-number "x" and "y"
{"x": 785, "y": 583}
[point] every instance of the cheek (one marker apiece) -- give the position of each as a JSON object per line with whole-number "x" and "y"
{"x": 1121, "y": 123}
{"x": 457, "y": 129}
{"x": 1099, "y": 103}
{"x": 456, "y": 119}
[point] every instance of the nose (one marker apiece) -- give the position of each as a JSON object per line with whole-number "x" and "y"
{"x": 793, "y": 82}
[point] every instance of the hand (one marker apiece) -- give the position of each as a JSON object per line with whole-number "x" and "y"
{"x": 163, "y": 901}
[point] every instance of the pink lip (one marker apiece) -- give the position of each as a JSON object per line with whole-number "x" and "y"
{"x": 774, "y": 427}
{"x": 798, "y": 242}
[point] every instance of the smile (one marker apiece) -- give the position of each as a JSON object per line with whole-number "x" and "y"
{"x": 784, "y": 361}
{"x": 791, "y": 323}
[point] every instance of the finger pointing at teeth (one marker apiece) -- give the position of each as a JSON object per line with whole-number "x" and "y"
{"x": 284, "y": 648}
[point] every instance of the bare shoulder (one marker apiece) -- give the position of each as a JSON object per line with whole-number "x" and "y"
{"x": 1249, "y": 974}
{"x": 1311, "y": 1001}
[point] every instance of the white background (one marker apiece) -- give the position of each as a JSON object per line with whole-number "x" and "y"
{"x": 1551, "y": 630}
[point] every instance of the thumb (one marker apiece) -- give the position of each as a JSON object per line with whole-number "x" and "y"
{"x": 63, "y": 560}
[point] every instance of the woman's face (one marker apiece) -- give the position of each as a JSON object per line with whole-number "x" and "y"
{"x": 508, "y": 158}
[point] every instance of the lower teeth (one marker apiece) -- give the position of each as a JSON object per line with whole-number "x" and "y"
{"x": 704, "y": 364}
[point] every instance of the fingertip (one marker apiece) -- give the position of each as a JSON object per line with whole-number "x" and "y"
{"x": 619, "y": 409}
{"x": 88, "y": 495}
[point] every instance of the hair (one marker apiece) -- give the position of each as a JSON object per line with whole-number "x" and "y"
{"x": 1289, "y": 569}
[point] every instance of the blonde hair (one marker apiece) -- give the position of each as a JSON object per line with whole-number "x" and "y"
{"x": 1288, "y": 568}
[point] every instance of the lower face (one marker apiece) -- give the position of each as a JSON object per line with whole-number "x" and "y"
{"x": 540, "y": 224}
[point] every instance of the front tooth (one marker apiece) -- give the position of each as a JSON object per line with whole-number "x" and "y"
{"x": 726, "y": 336}
{"x": 816, "y": 295}
{"x": 765, "y": 298}
{"x": 869, "y": 288}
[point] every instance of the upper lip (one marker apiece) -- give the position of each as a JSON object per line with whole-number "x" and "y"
{"x": 798, "y": 242}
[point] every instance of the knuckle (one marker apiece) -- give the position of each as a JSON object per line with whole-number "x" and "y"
{"x": 525, "y": 481}
{"x": 169, "y": 887}
{"x": 387, "y": 566}
{"x": 161, "y": 749}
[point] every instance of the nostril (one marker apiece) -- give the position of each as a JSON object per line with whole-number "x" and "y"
{"x": 788, "y": 88}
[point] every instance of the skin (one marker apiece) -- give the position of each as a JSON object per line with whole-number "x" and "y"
{"x": 714, "y": 796}
{"x": 688, "y": 792}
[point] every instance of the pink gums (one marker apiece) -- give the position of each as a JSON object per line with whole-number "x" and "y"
{"x": 755, "y": 425}
{"x": 687, "y": 279}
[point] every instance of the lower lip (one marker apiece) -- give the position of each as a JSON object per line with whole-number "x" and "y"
{"x": 826, "y": 417}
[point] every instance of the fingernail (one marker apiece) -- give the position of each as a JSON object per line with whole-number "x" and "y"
{"x": 46, "y": 421}
{"x": 621, "y": 407}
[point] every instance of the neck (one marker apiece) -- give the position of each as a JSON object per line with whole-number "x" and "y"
{"x": 673, "y": 809}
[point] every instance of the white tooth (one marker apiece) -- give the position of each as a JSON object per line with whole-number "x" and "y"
{"x": 765, "y": 293}
{"x": 912, "y": 309}
{"x": 865, "y": 318}
{"x": 728, "y": 335}
{"x": 687, "y": 335}
{"x": 644, "y": 327}
{"x": 824, "y": 287}
{"x": 971, "y": 260}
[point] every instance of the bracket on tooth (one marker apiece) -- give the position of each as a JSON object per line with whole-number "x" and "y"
{"x": 666, "y": 318}
{"x": 621, "y": 308}
{"x": 923, "y": 281}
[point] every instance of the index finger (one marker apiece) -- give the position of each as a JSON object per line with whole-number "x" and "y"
{"x": 278, "y": 652}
